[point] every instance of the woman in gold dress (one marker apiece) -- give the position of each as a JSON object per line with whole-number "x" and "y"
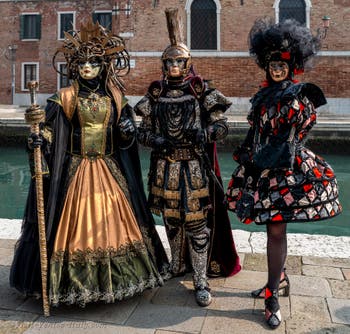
{"x": 102, "y": 241}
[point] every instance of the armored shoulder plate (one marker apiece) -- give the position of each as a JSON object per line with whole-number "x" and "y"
{"x": 215, "y": 100}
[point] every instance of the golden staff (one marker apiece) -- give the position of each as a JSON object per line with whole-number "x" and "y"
{"x": 33, "y": 116}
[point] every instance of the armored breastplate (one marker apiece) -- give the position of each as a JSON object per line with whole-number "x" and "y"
{"x": 176, "y": 113}
{"x": 94, "y": 114}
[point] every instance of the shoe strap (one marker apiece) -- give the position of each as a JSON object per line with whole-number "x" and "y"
{"x": 270, "y": 293}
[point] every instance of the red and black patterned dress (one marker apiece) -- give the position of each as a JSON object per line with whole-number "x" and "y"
{"x": 278, "y": 179}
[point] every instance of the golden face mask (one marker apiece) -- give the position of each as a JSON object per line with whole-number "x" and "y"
{"x": 89, "y": 70}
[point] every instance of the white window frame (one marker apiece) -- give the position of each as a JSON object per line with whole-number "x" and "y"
{"x": 308, "y": 6}
{"x": 22, "y": 73}
{"x": 59, "y": 22}
{"x": 58, "y": 65}
{"x": 30, "y": 39}
{"x": 218, "y": 24}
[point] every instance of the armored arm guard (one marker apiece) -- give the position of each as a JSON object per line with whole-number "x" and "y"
{"x": 215, "y": 104}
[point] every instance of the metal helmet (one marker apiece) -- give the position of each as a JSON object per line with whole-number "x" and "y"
{"x": 177, "y": 50}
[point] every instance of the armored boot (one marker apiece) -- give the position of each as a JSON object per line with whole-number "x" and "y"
{"x": 178, "y": 247}
{"x": 198, "y": 246}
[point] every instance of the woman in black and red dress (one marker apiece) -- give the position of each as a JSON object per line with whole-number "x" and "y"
{"x": 278, "y": 180}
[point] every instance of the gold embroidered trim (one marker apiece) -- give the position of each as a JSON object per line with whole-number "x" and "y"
{"x": 175, "y": 195}
{"x": 85, "y": 295}
{"x": 171, "y": 213}
{"x": 98, "y": 255}
{"x": 166, "y": 194}
{"x": 190, "y": 216}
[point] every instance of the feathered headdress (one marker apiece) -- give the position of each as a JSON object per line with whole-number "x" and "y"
{"x": 288, "y": 41}
{"x": 94, "y": 41}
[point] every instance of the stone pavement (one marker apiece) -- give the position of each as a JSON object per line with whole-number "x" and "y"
{"x": 319, "y": 301}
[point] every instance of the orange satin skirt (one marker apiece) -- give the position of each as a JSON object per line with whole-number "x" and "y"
{"x": 99, "y": 253}
{"x": 96, "y": 213}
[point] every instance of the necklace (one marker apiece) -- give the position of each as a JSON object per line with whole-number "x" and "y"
{"x": 92, "y": 92}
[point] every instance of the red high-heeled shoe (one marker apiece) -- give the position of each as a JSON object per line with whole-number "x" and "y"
{"x": 283, "y": 288}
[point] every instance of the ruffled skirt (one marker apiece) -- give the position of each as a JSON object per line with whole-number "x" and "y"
{"x": 309, "y": 192}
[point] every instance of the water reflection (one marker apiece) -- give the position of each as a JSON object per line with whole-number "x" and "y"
{"x": 15, "y": 178}
{"x": 14, "y": 181}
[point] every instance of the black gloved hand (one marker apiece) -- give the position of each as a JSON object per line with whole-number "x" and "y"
{"x": 201, "y": 137}
{"x": 126, "y": 128}
{"x": 162, "y": 144}
{"x": 196, "y": 136}
{"x": 35, "y": 140}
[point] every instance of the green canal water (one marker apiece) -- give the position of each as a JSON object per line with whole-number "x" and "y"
{"x": 15, "y": 178}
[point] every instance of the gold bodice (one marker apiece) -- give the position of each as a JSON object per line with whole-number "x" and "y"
{"x": 94, "y": 113}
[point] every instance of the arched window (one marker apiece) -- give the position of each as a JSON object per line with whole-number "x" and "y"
{"x": 293, "y": 9}
{"x": 203, "y": 24}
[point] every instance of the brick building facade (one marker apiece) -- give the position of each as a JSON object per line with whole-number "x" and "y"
{"x": 143, "y": 25}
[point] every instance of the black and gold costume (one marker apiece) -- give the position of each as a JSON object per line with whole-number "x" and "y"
{"x": 180, "y": 186}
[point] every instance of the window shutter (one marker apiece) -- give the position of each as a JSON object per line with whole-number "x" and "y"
{"x": 38, "y": 26}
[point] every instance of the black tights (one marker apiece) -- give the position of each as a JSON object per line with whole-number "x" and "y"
{"x": 276, "y": 252}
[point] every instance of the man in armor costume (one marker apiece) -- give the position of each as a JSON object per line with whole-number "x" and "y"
{"x": 182, "y": 117}
{"x": 101, "y": 238}
{"x": 279, "y": 180}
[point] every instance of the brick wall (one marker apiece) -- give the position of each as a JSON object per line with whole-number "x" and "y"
{"x": 234, "y": 76}
{"x": 241, "y": 76}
